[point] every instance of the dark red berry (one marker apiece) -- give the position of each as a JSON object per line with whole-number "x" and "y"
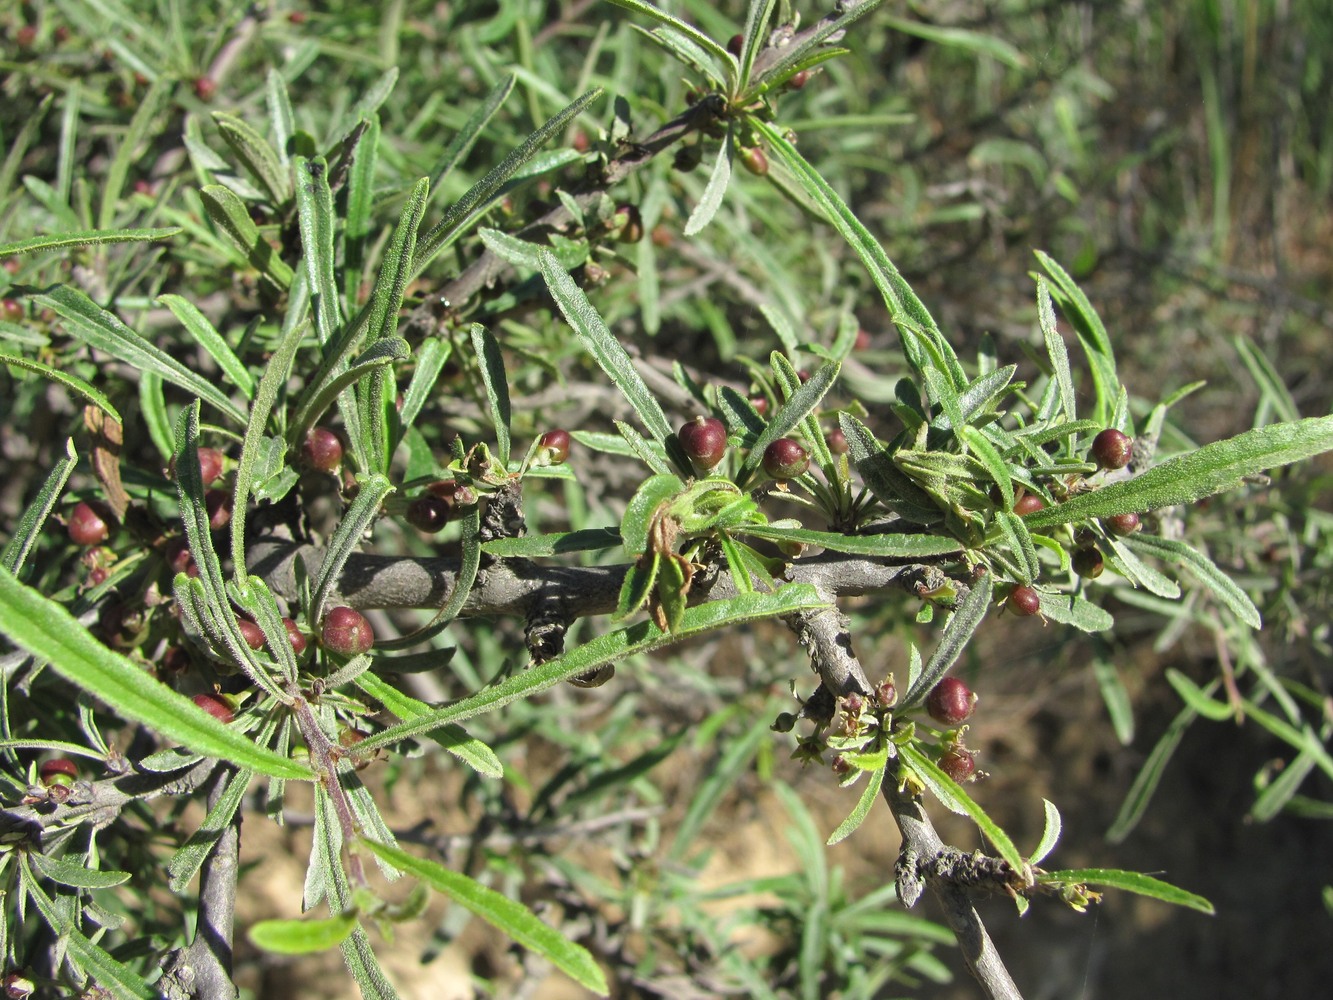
{"x": 205, "y": 88}
{"x": 322, "y": 450}
{"x": 11, "y": 310}
{"x": 58, "y": 771}
{"x": 798, "y": 79}
{"x": 760, "y": 404}
{"x": 177, "y": 554}
{"x": 25, "y": 36}
{"x": 837, "y": 441}
{"x": 428, "y": 513}
{"x": 1111, "y": 449}
{"x": 347, "y": 632}
{"x": 629, "y": 220}
{"x": 1028, "y": 503}
{"x": 704, "y": 439}
{"x": 218, "y": 503}
{"x": 87, "y": 525}
{"x": 296, "y": 17}
{"x": 958, "y": 764}
{"x": 841, "y": 766}
{"x": 734, "y": 44}
{"x": 785, "y": 459}
{"x": 556, "y": 445}
{"x": 1023, "y": 601}
{"x": 754, "y": 160}
{"x": 97, "y": 576}
{"x": 886, "y": 694}
{"x": 61, "y": 34}
{"x": 251, "y": 633}
{"x": 296, "y": 636}
{"x": 1088, "y": 563}
{"x": 862, "y": 340}
{"x": 950, "y": 702}
{"x": 1122, "y": 524}
{"x": 215, "y": 706}
{"x": 210, "y": 465}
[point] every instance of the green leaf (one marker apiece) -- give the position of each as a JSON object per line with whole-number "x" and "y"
{"x": 639, "y": 581}
{"x": 78, "y": 876}
{"x": 714, "y": 191}
{"x": 1193, "y": 696}
{"x": 430, "y": 358}
{"x": 256, "y": 155}
{"x": 360, "y": 515}
{"x": 71, "y": 382}
{"x": 981, "y": 43}
{"x": 496, "y": 383}
{"x": 455, "y": 739}
{"x": 1055, "y": 347}
{"x": 986, "y": 453}
{"x": 47, "y": 630}
{"x": 1146, "y": 781}
{"x": 957, "y": 633}
{"x": 1091, "y": 334}
{"x": 803, "y": 54}
{"x": 603, "y": 346}
{"x": 314, "y": 202}
{"x": 1211, "y": 469}
{"x": 1050, "y": 834}
{"x": 89, "y": 237}
{"x": 469, "y": 207}
{"x": 798, "y": 406}
{"x": 756, "y": 25}
{"x": 890, "y": 546}
{"x": 461, "y": 144}
{"x": 1144, "y": 885}
{"x": 231, "y": 216}
{"x": 136, "y": 135}
{"x": 885, "y": 480}
{"x": 863, "y": 805}
{"x": 952, "y": 797}
{"x": 301, "y": 937}
{"x": 1018, "y": 539}
{"x": 98, "y": 328}
{"x": 1071, "y": 610}
{"x": 280, "y": 115}
{"x": 29, "y": 526}
{"x": 637, "y": 520}
{"x": 1204, "y": 569}
{"x": 186, "y": 862}
{"x": 687, "y": 31}
{"x": 510, "y": 916}
{"x": 207, "y": 337}
{"x": 1116, "y": 697}
{"x": 640, "y": 637}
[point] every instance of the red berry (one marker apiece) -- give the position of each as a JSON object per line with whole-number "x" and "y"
{"x": 218, "y": 503}
{"x": 837, "y": 441}
{"x": 760, "y": 404}
{"x": 11, "y": 310}
{"x": 798, "y": 79}
{"x": 87, "y": 525}
{"x": 754, "y": 160}
{"x": 58, "y": 770}
{"x": 347, "y": 632}
{"x": 61, "y": 34}
{"x": 177, "y": 554}
{"x": 886, "y": 694}
{"x": 556, "y": 444}
{"x": 1122, "y": 524}
{"x": 210, "y": 465}
{"x": 1088, "y": 563}
{"x": 785, "y": 459}
{"x": 215, "y": 706}
{"x": 296, "y": 636}
{"x": 841, "y": 766}
{"x": 296, "y": 17}
{"x": 704, "y": 439}
{"x": 1023, "y": 601}
{"x": 322, "y": 450}
{"x": 958, "y": 764}
{"x": 251, "y": 633}
{"x": 1111, "y": 449}
{"x": 950, "y": 702}
{"x": 428, "y": 513}
{"x": 862, "y": 340}
{"x": 25, "y": 36}
{"x": 734, "y": 44}
{"x": 1028, "y": 503}
{"x": 205, "y": 88}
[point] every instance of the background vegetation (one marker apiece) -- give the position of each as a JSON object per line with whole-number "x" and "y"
{"x": 1177, "y": 159}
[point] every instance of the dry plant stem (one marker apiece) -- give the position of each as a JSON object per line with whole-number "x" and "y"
{"x": 324, "y": 758}
{"x": 203, "y": 970}
{"x": 919, "y": 837}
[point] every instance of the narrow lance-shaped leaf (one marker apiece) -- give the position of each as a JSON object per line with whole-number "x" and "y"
{"x": 45, "y": 629}
{"x": 230, "y": 215}
{"x": 314, "y": 202}
{"x": 71, "y": 382}
{"x": 360, "y": 515}
{"x": 715, "y": 190}
{"x": 1144, "y": 885}
{"x": 29, "y": 526}
{"x": 304, "y": 936}
{"x": 493, "y": 378}
{"x": 89, "y": 237}
{"x": 957, "y": 633}
{"x": 207, "y": 337}
{"x": 1186, "y": 478}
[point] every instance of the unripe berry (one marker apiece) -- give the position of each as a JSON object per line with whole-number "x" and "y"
{"x": 950, "y": 702}
{"x": 1111, "y": 449}
{"x": 1028, "y": 503}
{"x": 322, "y": 450}
{"x": 958, "y": 764}
{"x": 215, "y": 706}
{"x": 1023, "y": 601}
{"x": 754, "y": 160}
{"x": 556, "y": 444}
{"x": 295, "y": 635}
{"x": 428, "y": 513}
{"x": 1122, "y": 524}
{"x": 347, "y": 632}
{"x": 251, "y": 633}
{"x": 1088, "y": 563}
{"x": 87, "y": 525}
{"x": 785, "y": 459}
{"x": 704, "y": 439}
{"x": 58, "y": 771}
